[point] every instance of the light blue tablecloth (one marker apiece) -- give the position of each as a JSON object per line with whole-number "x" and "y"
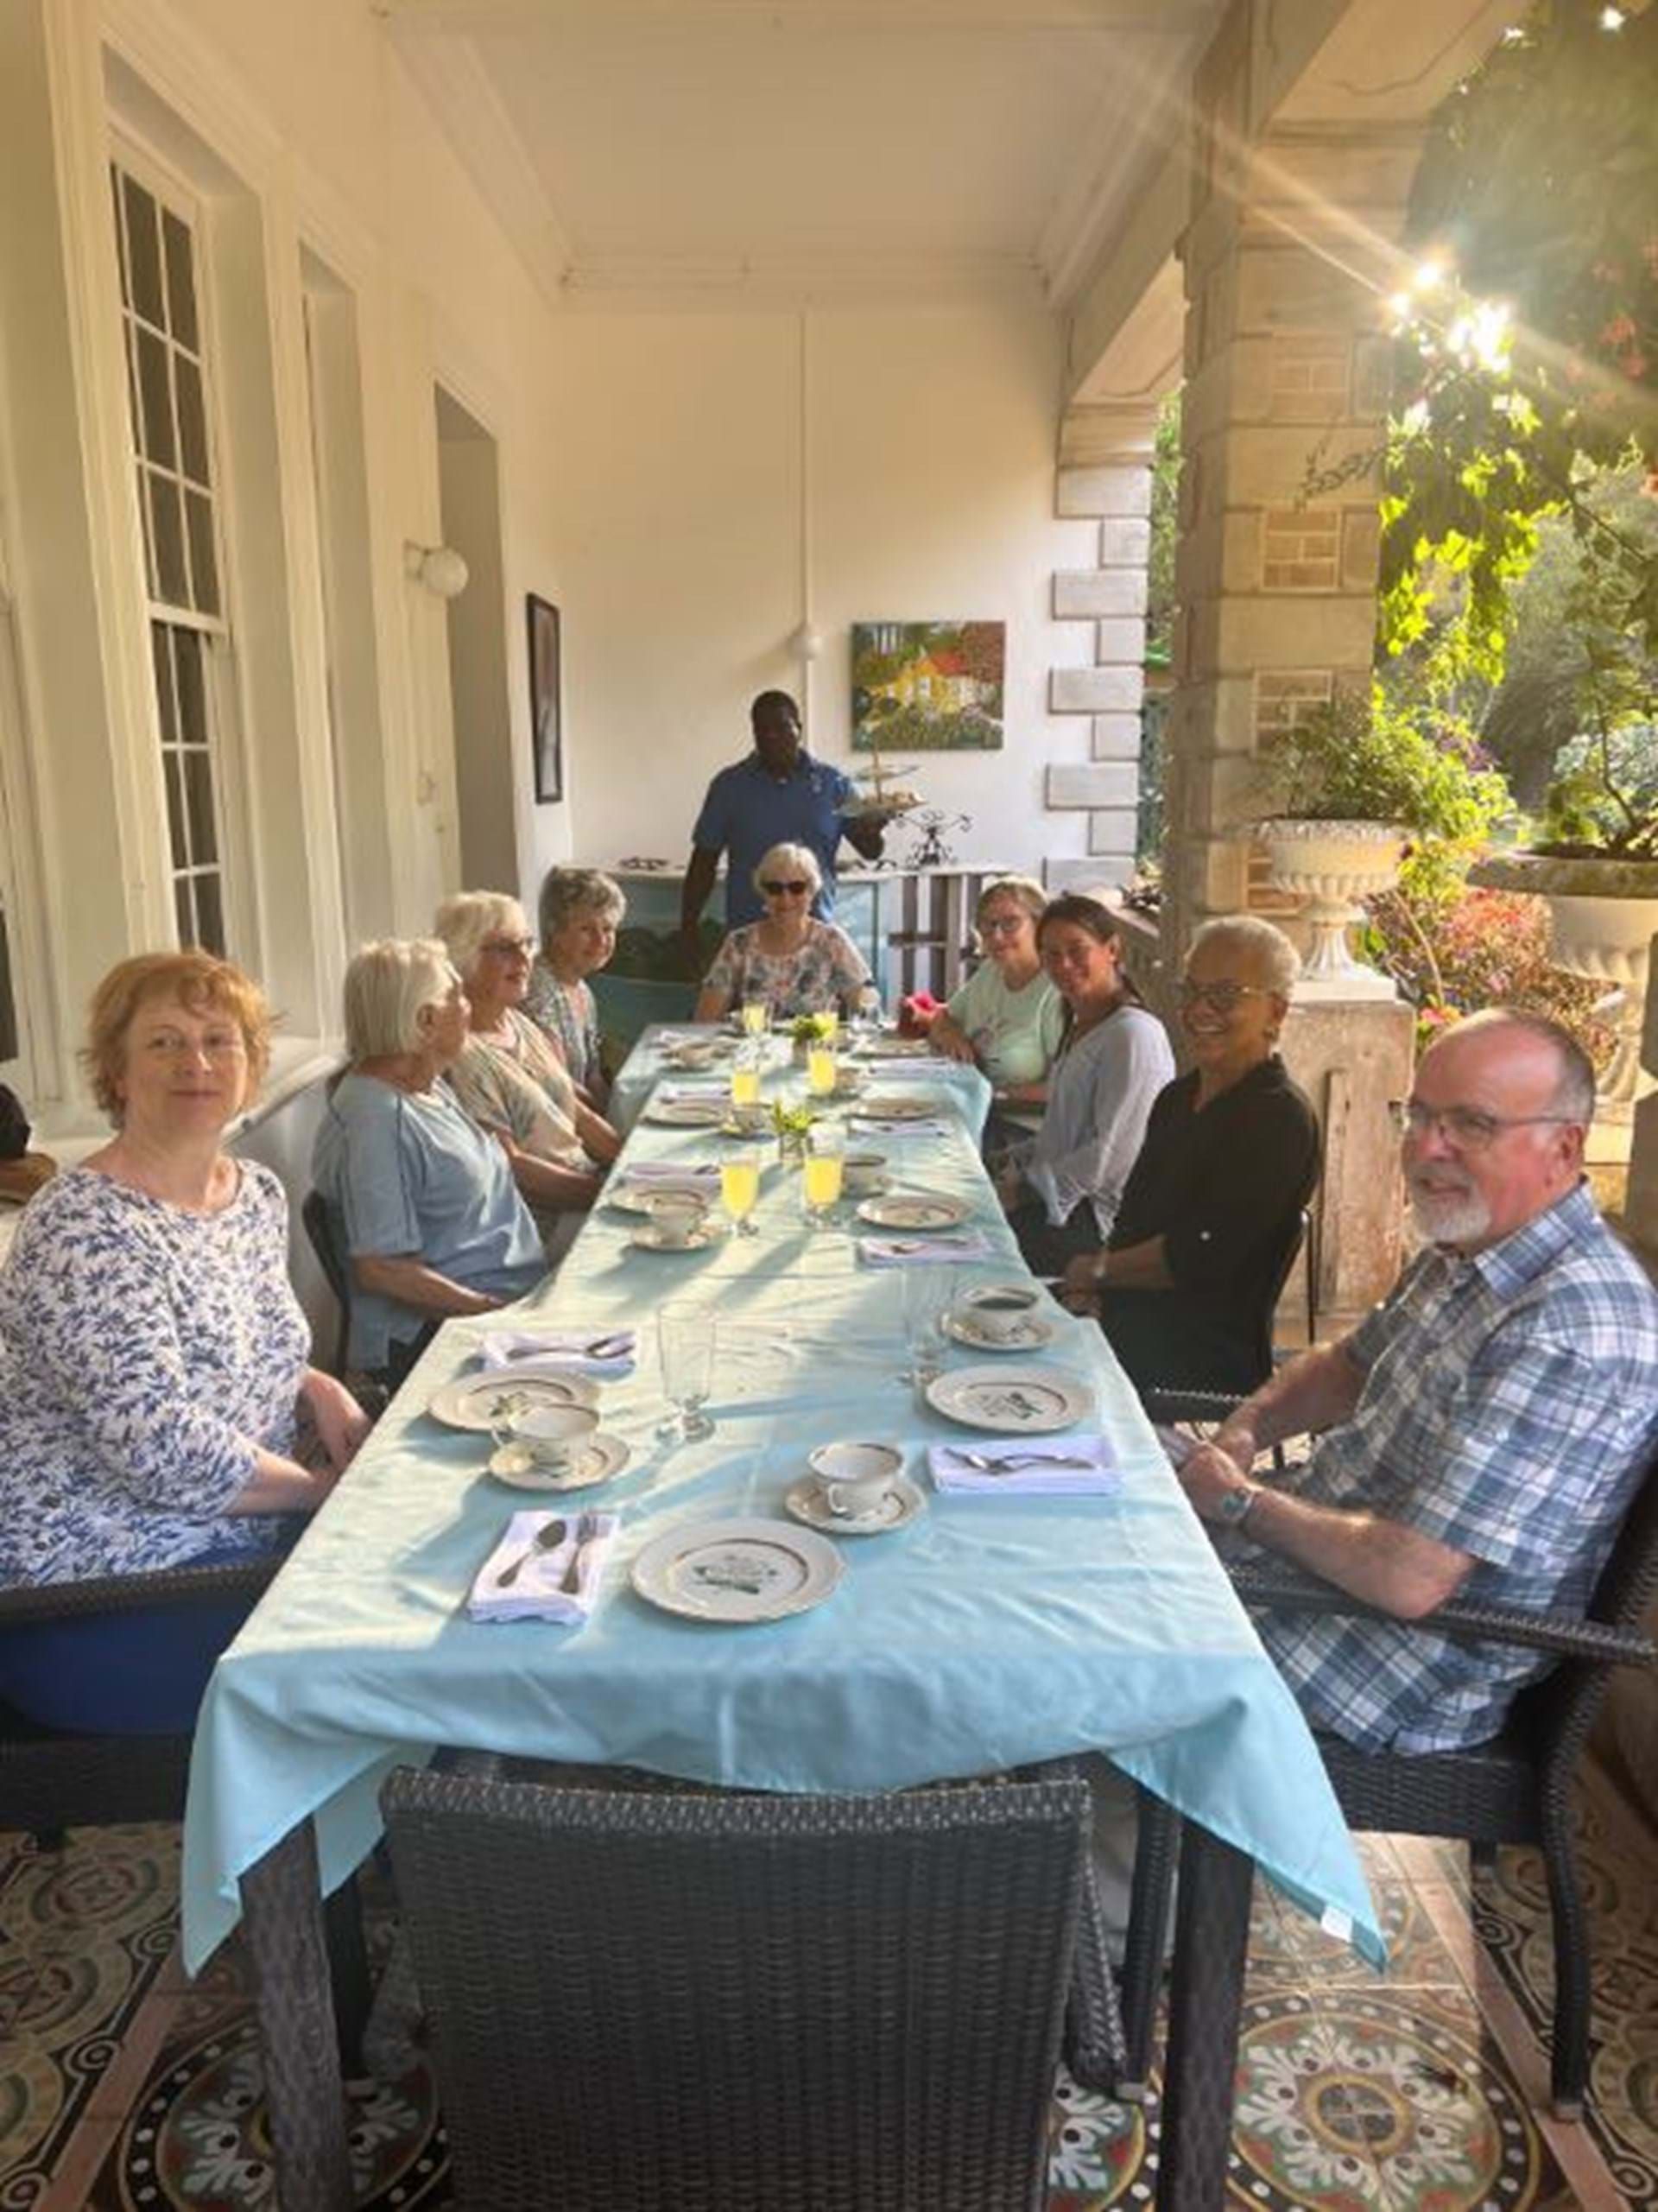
{"x": 963, "y": 1089}
{"x": 991, "y": 1633}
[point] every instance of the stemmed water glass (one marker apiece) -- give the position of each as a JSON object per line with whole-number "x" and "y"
{"x": 685, "y": 1340}
{"x": 928, "y": 1294}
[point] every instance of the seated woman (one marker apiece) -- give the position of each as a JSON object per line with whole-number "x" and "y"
{"x": 1185, "y": 1286}
{"x": 156, "y": 1405}
{"x": 511, "y": 1078}
{"x": 428, "y": 1212}
{"x": 1061, "y": 1193}
{"x": 795, "y": 963}
{"x": 1007, "y": 1019}
{"x": 581, "y": 911}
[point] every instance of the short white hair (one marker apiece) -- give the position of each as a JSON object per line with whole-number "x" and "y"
{"x": 386, "y": 985}
{"x": 791, "y": 863}
{"x": 1273, "y": 954}
{"x": 465, "y": 920}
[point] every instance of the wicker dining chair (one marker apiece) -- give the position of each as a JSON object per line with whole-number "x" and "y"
{"x": 320, "y": 1227}
{"x": 741, "y": 2003}
{"x": 1515, "y": 1788}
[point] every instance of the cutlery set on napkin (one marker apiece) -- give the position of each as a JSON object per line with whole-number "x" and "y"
{"x": 1053, "y": 1467}
{"x": 546, "y": 1566}
{"x": 585, "y": 1352}
{"x": 943, "y": 1250}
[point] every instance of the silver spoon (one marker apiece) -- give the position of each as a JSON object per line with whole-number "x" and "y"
{"x": 988, "y": 1463}
{"x": 546, "y": 1539}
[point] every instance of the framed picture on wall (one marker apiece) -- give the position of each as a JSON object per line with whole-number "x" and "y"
{"x": 545, "y": 734}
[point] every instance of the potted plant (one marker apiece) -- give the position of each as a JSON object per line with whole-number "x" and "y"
{"x": 790, "y": 1121}
{"x": 807, "y": 1030}
{"x": 1342, "y": 791}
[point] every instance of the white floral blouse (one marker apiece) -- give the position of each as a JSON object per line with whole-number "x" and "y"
{"x": 827, "y": 973}
{"x": 145, "y": 1351}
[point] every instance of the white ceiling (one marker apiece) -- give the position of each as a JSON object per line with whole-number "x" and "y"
{"x": 807, "y": 149}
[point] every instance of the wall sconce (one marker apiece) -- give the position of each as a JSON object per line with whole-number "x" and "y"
{"x": 439, "y": 567}
{"x": 807, "y": 641}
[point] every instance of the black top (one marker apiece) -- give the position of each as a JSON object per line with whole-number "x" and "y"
{"x": 1223, "y": 1189}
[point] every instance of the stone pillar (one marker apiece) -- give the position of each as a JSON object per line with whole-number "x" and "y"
{"x": 1105, "y": 471}
{"x": 1285, "y": 362}
{"x": 1640, "y": 1207}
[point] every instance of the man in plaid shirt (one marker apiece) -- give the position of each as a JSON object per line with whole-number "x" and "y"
{"x": 1483, "y": 1431}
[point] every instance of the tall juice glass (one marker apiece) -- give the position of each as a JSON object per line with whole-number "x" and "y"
{"x": 739, "y": 1190}
{"x": 821, "y": 1173}
{"x": 746, "y": 1081}
{"x": 820, "y": 1071}
{"x": 829, "y": 1025}
{"x": 756, "y": 1017}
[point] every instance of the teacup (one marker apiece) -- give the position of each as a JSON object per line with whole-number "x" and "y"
{"x": 678, "y": 1216}
{"x": 855, "y": 1480}
{"x": 850, "y": 1082}
{"x": 863, "y": 1173}
{"x": 549, "y": 1436}
{"x": 1000, "y": 1311}
{"x": 752, "y": 1120}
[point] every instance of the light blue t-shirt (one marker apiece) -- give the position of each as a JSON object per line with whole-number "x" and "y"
{"x": 407, "y": 1172}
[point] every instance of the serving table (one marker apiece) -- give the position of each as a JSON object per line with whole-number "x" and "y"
{"x": 991, "y": 1633}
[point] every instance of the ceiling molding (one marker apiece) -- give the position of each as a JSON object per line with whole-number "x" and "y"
{"x": 458, "y": 88}
{"x": 1017, "y": 17}
{"x": 647, "y": 282}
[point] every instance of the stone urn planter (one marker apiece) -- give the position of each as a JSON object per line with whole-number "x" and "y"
{"x": 1333, "y": 866}
{"x": 1603, "y": 915}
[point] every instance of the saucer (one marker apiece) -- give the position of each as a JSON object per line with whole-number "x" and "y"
{"x": 596, "y": 1460}
{"x": 650, "y": 1236}
{"x": 1026, "y": 1338}
{"x": 903, "y": 1502}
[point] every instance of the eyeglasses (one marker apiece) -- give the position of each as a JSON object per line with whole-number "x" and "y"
{"x": 796, "y": 889}
{"x": 508, "y": 948}
{"x": 1001, "y": 925}
{"x": 218, "y": 1044}
{"x": 1466, "y": 1127}
{"x": 1220, "y": 997}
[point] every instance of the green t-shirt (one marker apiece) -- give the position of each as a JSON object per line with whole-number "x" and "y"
{"x": 1016, "y": 1034}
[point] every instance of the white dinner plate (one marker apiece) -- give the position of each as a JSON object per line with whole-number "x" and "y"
{"x": 653, "y": 1236}
{"x": 1032, "y": 1334}
{"x": 903, "y": 1502}
{"x": 468, "y": 1401}
{"x": 596, "y": 1460}
{"x": 737, "y": 1570}
{"x": 914, "y": 1210}
{"x": 896, "y": 1047}
{"x": 1014, "y": 1401}
{"x": 637, "y": 1197}
{"x": 686, "y": 1113}
{"x": 898, "y": 1105}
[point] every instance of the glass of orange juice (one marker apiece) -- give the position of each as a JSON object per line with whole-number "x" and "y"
{"x": 829, "y": 1025}
{"x": 745, "y": 1078}
{"x": 756, "y": 1017}
{"x": 821, "y": 1070}
{"x": 739, "y": 1190}
{"x": 822, "y": 1167}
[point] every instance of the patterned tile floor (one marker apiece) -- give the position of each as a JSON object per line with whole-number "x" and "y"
{"x": 122, "y": 2086}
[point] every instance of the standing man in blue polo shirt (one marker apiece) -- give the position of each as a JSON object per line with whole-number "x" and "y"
{"x": 778, "y": 795}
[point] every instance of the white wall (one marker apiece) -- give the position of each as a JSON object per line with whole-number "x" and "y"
{"x": 676, "y": 521}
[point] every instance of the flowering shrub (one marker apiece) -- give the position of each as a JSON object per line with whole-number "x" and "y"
{"x": 1453, "y": 954}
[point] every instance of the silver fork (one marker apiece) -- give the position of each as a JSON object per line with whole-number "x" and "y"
{"x": 570, "y": 1583}
{"x": 990, "y": 1463}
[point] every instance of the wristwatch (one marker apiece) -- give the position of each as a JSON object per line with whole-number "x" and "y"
{"x": 1233, "y": 1506}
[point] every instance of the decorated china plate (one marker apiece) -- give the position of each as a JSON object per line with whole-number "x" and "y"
{"x": 688, "y": 1113}
{"x": 640, "y": 1197}
{"x": 657, "y": 1236}
{"x": 595, "y": 1460}
{"x": 1013, "y": 1401}
{"x": 903, "y": 1502}
{"x": 897, "y": 1105}
{"x": 1030, "y": 1335}
{"x": 914, "y": 1210}
{"x": 471, "y": 1401}
{"x": 737, "y": 1571}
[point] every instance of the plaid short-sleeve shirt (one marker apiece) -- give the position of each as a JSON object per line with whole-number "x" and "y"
{"x": 1511, "y": 1404}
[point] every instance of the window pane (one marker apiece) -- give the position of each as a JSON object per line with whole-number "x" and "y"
{"x": 192, "y": 418}
{"x": 120, "y": 240}
{"x": 172, "y": 582}
{"x": 167, "y": 706}
{"x": 199, "y": 801}
{"x": 180, "y": 281}
{"x": 157, "y": 417}
{"x": 210, "y": 916}
{"x": 193, "y": 691}
{"x": 204, "y": 565}
{"x": 144, "y": 251}
{"x": 184, "y": 911}
{"x": 175, "y": 810}
{"x": 150, "y": 536}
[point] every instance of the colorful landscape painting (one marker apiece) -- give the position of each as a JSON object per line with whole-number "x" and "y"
{"x": 927, "y": 686}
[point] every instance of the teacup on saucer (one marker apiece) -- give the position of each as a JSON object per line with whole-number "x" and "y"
{"x": 1001, "y": 1311}
{"x": 677, "y": 1215}
{"x": 855, "y": 1479}
{"x": 549, "y": 1436}
{"x": 863, "y": 1174}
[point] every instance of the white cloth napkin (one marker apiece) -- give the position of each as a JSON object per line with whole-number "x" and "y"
{"x": 919, "y": 1250}
{"x": 533, "y": 1594}
{"x": 872, "y": 1118}
{"x": 565, "y": 1347}
{"x": 676, "y": 1094}
{"x": 1098, "y": 1478}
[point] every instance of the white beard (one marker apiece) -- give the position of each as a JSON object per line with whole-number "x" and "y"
{"x": 1450, "y": 1217}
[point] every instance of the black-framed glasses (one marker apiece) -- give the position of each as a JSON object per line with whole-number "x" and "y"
{"x": 796, "y": 887}
{"x": 1220, "y": 997}
{"x": 1468, "y": 1128}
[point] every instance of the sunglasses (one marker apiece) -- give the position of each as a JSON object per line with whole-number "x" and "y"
{"x": 795, "y": 890}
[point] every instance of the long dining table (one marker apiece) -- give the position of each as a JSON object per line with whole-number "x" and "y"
{"x": 992, "y": 1631}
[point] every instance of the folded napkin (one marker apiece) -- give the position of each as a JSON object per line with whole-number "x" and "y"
{"x": 566, "y": 1347}
{"x": 673, "y": 1171}
{"x": 709, "y": 1088}
{"x": 532, "y": 1591}
{"x": 918, "y": 1249}
{"x": 1033, "y": 1473}
{"x": 872, "y": 1118}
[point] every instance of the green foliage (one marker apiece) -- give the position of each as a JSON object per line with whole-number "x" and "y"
{"x": 1165, "y": 530}
{"x": 1373, "y": 758}
{"x": 807, "y": 1029}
